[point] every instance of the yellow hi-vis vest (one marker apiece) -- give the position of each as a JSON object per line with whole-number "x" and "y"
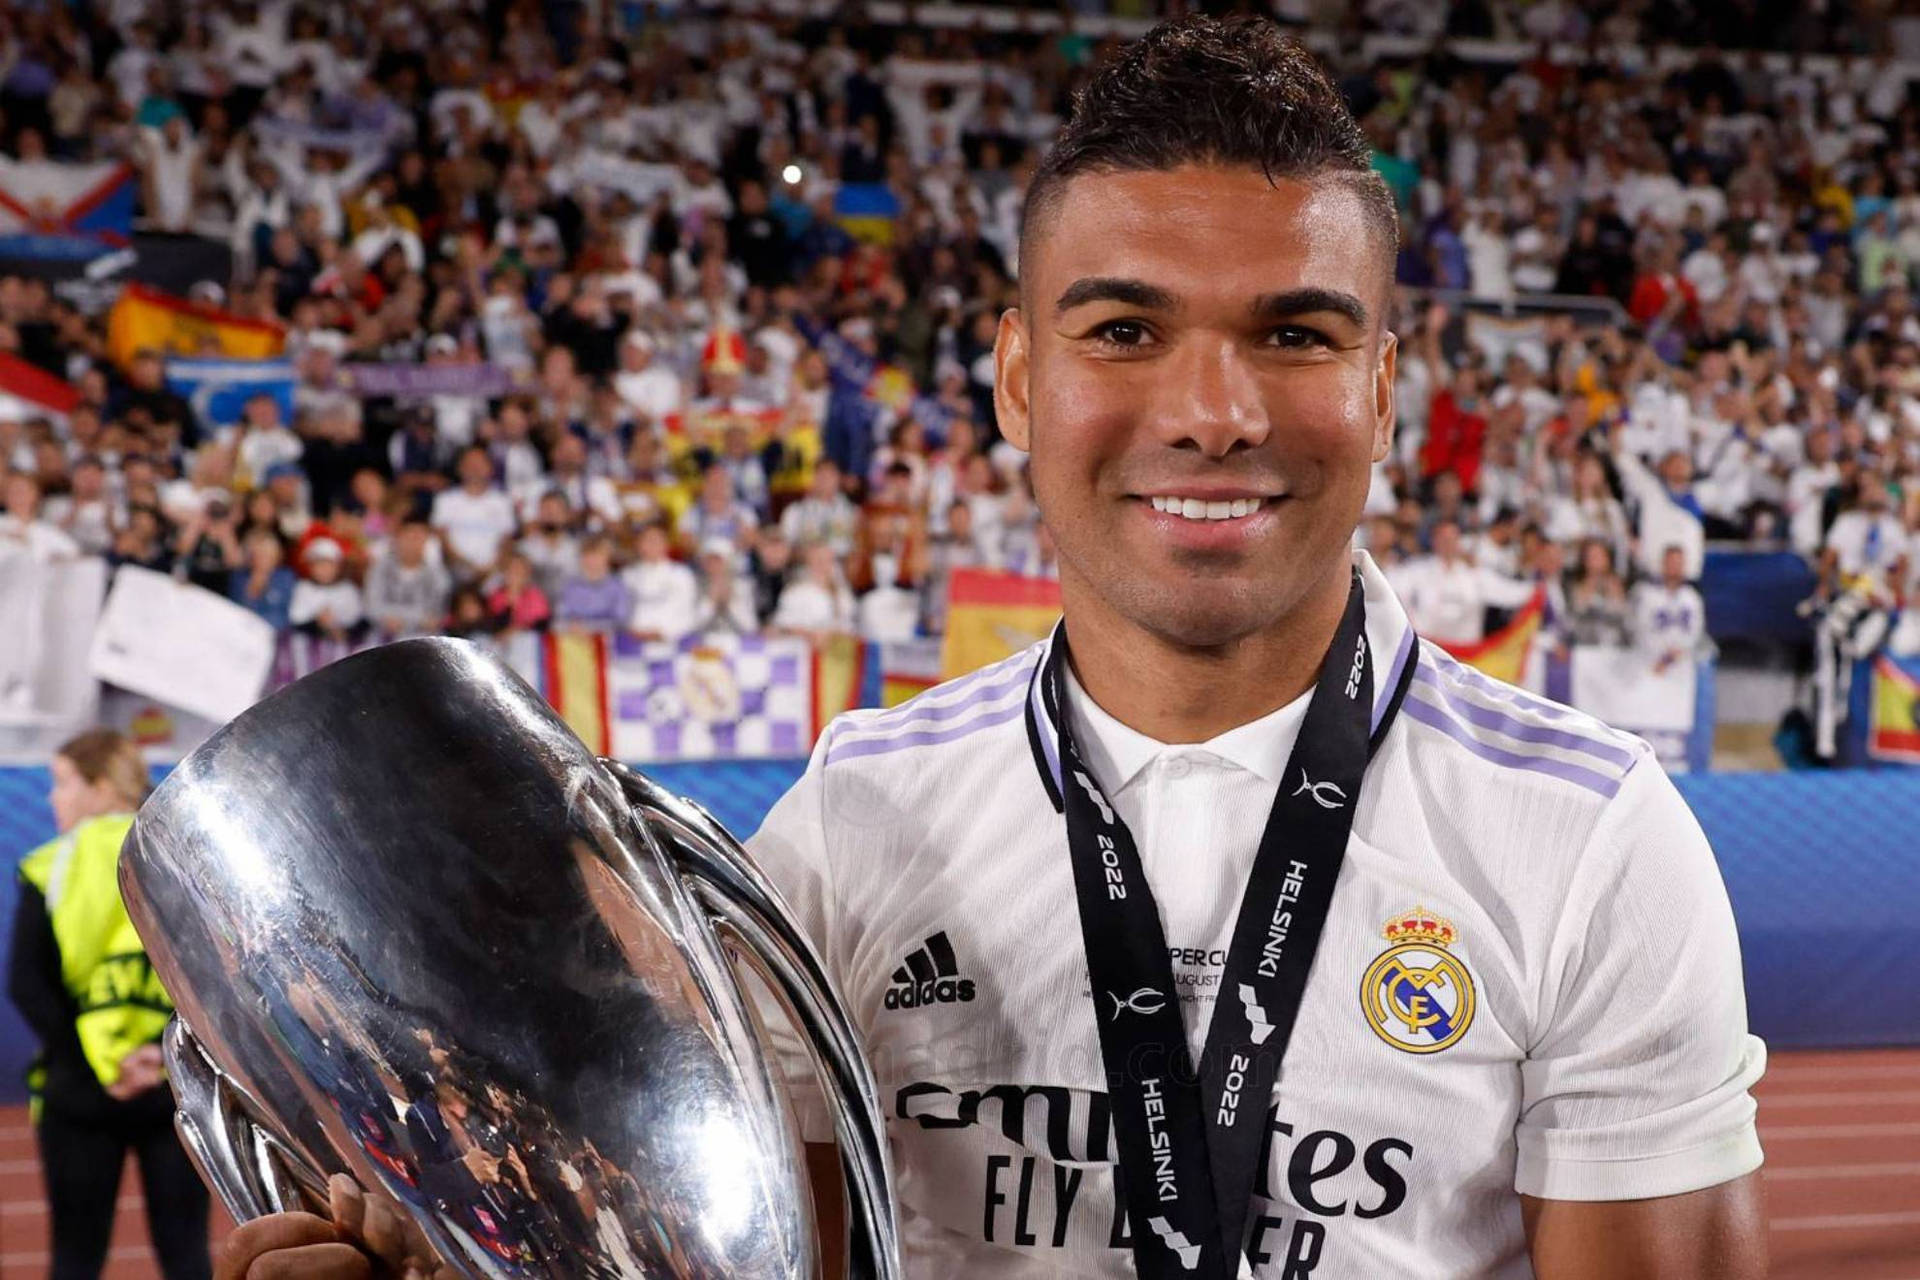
{"x": 122, "y": 1005}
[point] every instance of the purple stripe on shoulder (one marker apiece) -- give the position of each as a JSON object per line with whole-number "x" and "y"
{"x": 1544, "y": 735}
{"x": 1428, "y": 714}
{"x": 1383, "y": 690}
{"x": 943, "y": 710}
{"x": 1495, "y": 689}
{"x": 962, "y": 692}
{"x": 924, "y": 737}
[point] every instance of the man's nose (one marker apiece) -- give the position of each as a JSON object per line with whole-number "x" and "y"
{"x": 1210, "y": 400}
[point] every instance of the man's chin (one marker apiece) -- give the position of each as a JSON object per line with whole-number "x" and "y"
{"x": 1198, "y": 614}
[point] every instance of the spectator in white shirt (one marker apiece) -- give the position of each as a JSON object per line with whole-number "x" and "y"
{"x": 651, "y": 391}
{"x": 474, "y": 519}
{"x": 666, "y": 596}
{"x": 327, "y": 603}
{"x": 383, "y": 232}
{"x": 23, "y": 532}
{"x": 1868, "y": 540}
{"x": 817, "y": 604}
{"x": 1668, "y": 511}
{"x": 1447, "y": 595}
{"x": 170, "y": 172}
{"x": 262, "y": 439}
{"x": 1669, "y": 617}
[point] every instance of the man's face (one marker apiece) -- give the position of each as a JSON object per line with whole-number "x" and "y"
{"x": 1200, "y": 336}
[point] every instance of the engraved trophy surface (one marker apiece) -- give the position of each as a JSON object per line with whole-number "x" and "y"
{"x": 418, "y": 934}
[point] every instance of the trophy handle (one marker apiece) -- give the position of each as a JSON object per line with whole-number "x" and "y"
{"x": 253, "y": 1172}
{"x": 744, "y": 906}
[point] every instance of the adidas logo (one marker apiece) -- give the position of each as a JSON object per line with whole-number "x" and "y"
{"x": 929, "y": 976}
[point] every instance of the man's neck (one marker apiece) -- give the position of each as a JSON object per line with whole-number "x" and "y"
{"x": 1177, "y": 693}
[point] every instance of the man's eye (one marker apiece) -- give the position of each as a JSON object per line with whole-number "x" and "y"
{"x": 1294, "y": 336}
{"x": 1121, "y": 333}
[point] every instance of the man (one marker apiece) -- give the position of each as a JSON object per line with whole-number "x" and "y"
{"x": 1669, "y": 617}
{"x": 407, "y": 590}
{"x": 666, "y": 596}
{"x": 1447, "y": 594}
{"x": 1520, "y": 1048}
{"x": 473, "y": 519}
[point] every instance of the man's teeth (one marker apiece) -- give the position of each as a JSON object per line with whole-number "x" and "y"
{"x": 1198, "y": 509}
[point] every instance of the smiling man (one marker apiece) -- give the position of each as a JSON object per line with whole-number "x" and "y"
{"x": 1346, "y": 959}
{"x": 1235, "y": 927}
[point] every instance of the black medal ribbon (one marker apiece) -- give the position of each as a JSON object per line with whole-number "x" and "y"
{"x": 1188, "y": 1142}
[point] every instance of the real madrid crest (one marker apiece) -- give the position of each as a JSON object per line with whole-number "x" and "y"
{"x": 1417, "y": 996}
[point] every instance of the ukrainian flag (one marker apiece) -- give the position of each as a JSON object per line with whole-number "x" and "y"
{"x": 867, "y": 210}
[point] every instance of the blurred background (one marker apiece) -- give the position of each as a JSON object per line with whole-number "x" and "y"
{"x": 650, "y": 345}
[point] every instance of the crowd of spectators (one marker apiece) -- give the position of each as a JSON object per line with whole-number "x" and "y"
{"x": 738, "y": 403}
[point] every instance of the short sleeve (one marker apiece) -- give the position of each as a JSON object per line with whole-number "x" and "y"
{"x": 790, "y": 848}
{"x": 1636, "y": 1083}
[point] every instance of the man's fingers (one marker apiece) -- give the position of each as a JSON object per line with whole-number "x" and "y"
{"x": 313, "y": 1262}
{"x": 381, "y": 1233}
{"x": 250, "y": 1240}
{"x": 347, "y": 1205}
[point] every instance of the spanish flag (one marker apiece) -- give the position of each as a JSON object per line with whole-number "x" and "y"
{"x": 839, "y": 679}
{"x": 1503, "y": 655}
{"x": 993, "y": 615}
{"x": 908, "y": 669}
{"x": 145, "y": 317}
{"x": 574, "y": 680}
{"x": 1893, "y": 734}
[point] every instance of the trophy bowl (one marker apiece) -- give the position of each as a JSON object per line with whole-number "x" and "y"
{"x": 418, "y": 934}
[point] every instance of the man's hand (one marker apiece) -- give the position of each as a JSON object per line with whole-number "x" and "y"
{"x": 365, "y": 1239}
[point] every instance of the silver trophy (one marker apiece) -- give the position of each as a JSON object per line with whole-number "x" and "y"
{"x": 419, "y": 935}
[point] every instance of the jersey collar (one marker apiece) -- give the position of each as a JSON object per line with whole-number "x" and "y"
{"x": 1390, "y": 639}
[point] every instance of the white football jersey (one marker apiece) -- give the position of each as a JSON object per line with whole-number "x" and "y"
{"x": 1528, "y": 982}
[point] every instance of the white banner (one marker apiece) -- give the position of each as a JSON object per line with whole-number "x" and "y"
{"x": 1622, "y": 687}
{"x": 50, "y": 610}
{"x": 182, "y": 645}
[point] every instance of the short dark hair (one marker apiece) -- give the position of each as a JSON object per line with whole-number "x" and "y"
{"x": 1224, "y": 91}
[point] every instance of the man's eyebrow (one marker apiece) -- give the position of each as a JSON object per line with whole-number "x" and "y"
{"x": 1294, "y": 302}
{"x": 1137, "y": 293}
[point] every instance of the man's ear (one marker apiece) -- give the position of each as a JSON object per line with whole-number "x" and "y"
{"x": 1010, "y": 380}
{"x": 1383, "y": 387}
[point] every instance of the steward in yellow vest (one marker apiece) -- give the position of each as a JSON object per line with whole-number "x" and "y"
{"x": 117, "y": 1004}
{"x": 82, "y": 981}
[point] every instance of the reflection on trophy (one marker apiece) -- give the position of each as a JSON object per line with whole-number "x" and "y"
{"x": 419, "y": 935}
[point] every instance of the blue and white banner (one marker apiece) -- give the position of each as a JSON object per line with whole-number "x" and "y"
{"x": 53, "y": 211}
{"x": 219, "y": 389}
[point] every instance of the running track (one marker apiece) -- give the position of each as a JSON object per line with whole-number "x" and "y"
{"x": 1841, "y": 1130}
